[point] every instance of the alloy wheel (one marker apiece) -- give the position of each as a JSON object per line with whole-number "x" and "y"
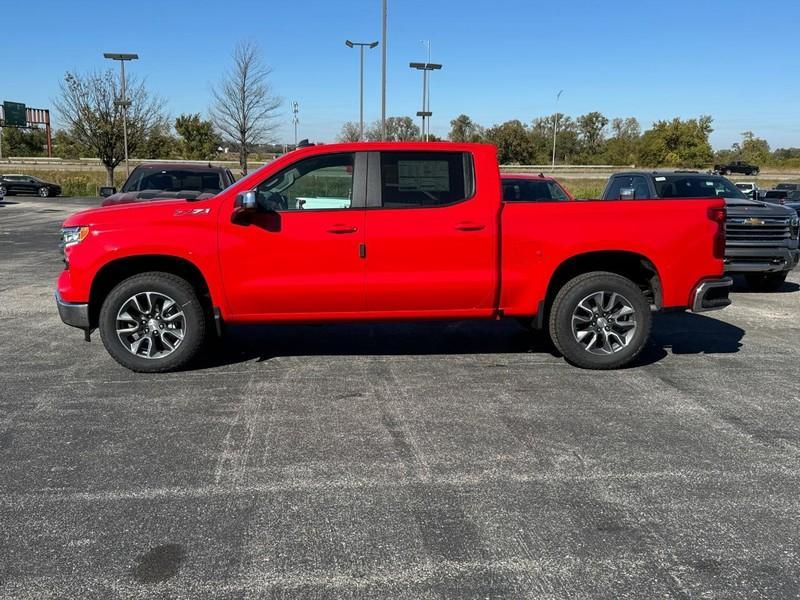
{"x": 604, "y": 322}
{"x": 150, "y": 325}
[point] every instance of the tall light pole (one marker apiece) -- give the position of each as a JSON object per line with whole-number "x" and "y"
{"x": 425, "y": 112}
{"x": 121, "y": 57}
{"x": 295, "y": 120}
{"x": 361, "y": 46}
{"x": 384, "y": 12}
{"x": 555, "y": 127}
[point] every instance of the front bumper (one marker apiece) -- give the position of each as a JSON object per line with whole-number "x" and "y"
{"x": 712, "y": 294}
{"x": 76, "y": 315}
{"x": 760, "y": 260}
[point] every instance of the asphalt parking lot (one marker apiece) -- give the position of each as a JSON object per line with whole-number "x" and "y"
{"x": 439, "y": 460}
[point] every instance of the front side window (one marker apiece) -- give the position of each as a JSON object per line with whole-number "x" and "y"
{"x": 425, "y": 179}
{"x": 316, "y": 183}
{"x": 635, "y": 182}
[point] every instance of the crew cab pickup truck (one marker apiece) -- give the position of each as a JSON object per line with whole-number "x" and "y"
{"x": 386, "y": 231}
{"x": 762, "y": 238}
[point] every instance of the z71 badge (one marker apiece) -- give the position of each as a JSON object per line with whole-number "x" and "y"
{"x": 191, "y": 211}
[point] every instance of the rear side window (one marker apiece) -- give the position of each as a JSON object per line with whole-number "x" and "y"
{"x": 637, "y": 182}
{"x": 425, "y": 179}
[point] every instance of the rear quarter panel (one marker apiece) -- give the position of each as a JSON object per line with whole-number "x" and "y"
{"x": 677, "y": 236}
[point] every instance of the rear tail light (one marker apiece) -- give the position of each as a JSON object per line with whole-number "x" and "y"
{"x": 718, "y": 215}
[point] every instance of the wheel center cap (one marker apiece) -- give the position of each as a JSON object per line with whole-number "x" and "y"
{"x": 601, "y": 322}
{"x": 152, "y": 324}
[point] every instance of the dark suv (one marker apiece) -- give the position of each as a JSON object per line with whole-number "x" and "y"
{"x": 761, "y": 238}
{"x": 11, "y": 185}
{"x": 164, "y": 181}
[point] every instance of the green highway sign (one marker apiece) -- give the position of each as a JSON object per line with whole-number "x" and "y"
{"x": 14, "y": 113}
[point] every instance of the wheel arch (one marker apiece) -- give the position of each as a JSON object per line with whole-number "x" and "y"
{"x": 632, "y": 265}
{"x": 115, "y": 271}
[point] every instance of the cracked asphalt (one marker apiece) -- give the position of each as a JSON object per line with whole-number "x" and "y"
{"x": 402, "y": 461}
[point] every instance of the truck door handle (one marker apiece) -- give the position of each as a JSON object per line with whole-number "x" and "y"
{"x": 342, "y": 229}
{"x": 469, "y": 226}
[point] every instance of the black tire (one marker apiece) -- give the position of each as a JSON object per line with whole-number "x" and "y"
{"x": 566, "y": 304}
{"x": 766, "y": 282}
{"x": 172, "y": 286}
{"x": 44, "y": 192}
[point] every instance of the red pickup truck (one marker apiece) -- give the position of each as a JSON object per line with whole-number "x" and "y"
{"x": 386, "y": 231}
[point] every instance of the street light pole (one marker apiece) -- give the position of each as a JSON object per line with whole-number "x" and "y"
{"x": 384, "y": 12}
{"x": 121, "y": 57}
{"x": 295, "y": 120}
{"x": 361, "y": 45}
{"x": 555, "y": 127}
{"x": 425, "y": 113}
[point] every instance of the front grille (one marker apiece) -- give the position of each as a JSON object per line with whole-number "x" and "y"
{"x": 755, "y": 229}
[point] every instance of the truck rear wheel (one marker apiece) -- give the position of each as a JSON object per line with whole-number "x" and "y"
{"x": 600, "y": 320}
{"x": 152, "y": 322}
{"x": 766, "y": 282}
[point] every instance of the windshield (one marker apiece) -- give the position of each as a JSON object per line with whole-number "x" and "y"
{"x": 745, "y": 187}
{"x": 693, "y": 186}
{"x": 174, "y": 180}
{"x": 776, "y": 194}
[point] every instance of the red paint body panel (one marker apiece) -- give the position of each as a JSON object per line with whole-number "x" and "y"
{"x": 477, "y": 258}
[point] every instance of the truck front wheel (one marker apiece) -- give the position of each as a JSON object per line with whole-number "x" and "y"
{"x": 152, "y": 322}
{"x": 600, "y": 320}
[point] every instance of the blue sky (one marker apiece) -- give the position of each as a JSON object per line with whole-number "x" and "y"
{"x": 737, "y": 61}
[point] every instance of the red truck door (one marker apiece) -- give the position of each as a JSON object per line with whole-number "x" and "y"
{"x": 300, "y": 255}
{"x": 431, "y": 234}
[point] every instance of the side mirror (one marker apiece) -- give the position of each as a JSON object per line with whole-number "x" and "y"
{"x": 244, "y": 205}
{"x": 105, "y": 192}
{"x": 627, "y": 194}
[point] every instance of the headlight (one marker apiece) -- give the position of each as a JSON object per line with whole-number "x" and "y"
{"x": 73, "y": 235}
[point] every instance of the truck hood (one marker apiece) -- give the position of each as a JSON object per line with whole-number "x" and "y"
{"x": 150, "y": 195}
{"x": 740, "y": 207}
{"x": 137, "y": 214}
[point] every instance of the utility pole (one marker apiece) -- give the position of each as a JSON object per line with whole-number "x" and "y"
{"x": 121, "y": 57}
{"x": 361, "y": 46}
{"x": 555, "y": 127}
{"x": 384, "y": 12}
{"x": 295, "y": 120}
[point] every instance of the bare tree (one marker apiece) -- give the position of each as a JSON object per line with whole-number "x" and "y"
{"x": 244, "y": 106}
{"x": 351, "y": 132}
{"x": 89, "y": 109}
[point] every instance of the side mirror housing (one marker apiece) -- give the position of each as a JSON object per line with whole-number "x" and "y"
{"x": 627, "y": 194}
{"x": 244, "y": 206}
{"x": 105, "y": 191}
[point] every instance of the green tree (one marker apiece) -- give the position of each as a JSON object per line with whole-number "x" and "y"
{"x": 677, "y": 143}
{"x": 198, "y": 140}
{"x": 568, "y": 143}
{"x": 67, "y": 146}
{"x": 463, "y": 129}
{"x": 590, "y": 127}
{"x": 621, "y": 147}
{"x": 752, "y": 149}
{"x": 24, "y": 142}
{"x": 513, "y": 141}
{"x": 160, "y": 143}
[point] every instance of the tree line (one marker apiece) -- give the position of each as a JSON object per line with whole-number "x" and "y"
{"x": 593, "y": 139}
